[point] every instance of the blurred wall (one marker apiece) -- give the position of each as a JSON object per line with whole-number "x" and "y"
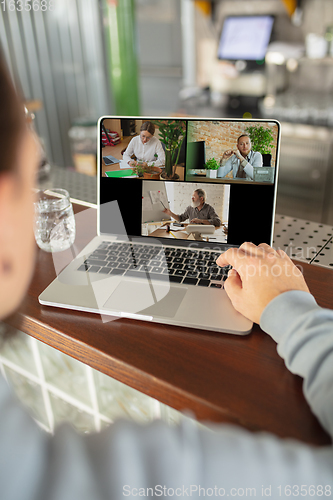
{"x": 160, "y": 55}
{"x": 57, "y": 56}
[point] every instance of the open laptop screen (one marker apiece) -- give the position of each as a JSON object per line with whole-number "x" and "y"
{"x": 218, "y": 187}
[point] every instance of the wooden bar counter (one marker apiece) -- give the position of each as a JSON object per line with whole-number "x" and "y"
{"x": 218, "y": 377}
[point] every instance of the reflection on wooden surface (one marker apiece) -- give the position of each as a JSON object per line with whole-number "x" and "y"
{"x": 57, "y": 388}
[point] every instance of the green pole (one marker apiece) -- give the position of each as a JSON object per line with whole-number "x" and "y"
{"x": 121, "y": 52}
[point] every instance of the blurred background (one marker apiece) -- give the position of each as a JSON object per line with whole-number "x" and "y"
{"x": 75, "y": 60}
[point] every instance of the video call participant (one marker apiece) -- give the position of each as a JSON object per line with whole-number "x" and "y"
{"x": 241, "y": 160}
{"x": 147, "y": 148}
{"x": 199, "y": 212}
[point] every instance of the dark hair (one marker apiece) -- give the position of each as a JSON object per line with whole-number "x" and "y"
{"x": 12, "y": 127}
{"x": 201, "y": 193}
{"x": 149, "y": 126}
{"x": 12, "y": 121}
{"x": 243, "y": 135}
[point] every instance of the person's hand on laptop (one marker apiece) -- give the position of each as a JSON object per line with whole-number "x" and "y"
{"x": 258, "y": 275}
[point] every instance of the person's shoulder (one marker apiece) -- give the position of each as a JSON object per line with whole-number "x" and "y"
{"x": 134, "y": 140}
{"x": 208, "y": 206}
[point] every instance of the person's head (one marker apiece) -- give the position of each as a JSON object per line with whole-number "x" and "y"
{"x": 147, "y": 130}
{"x": 17, "y": 176}
{"x": 244, "y": 144}
{"x": 198, "y": 197}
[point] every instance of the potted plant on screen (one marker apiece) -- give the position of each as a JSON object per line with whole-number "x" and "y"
{"x": 172, "y": 133}
{"x": 211, "y": 167}
{"x": 262, "y": 140}
{"x": 147, "y": 171}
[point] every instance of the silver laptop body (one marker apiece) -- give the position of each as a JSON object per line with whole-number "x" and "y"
{"x": 145, "y": 291}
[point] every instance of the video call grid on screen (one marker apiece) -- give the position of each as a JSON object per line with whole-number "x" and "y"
{"x": 241, "y": 203}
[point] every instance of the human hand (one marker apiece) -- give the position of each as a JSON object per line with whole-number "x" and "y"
{"x": 132, "y": 163}
{"x": 259, "y": 274}
{"x": 227, "y": 154}
{"x": 196, "y": 221}
{"x": 239, "y": 155}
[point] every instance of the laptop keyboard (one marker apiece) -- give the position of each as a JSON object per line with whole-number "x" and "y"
{"x": 191, "y": 267}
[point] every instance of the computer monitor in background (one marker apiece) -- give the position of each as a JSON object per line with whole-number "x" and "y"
{"x": 196, "y": 155}
{"x": 245, "y": 38}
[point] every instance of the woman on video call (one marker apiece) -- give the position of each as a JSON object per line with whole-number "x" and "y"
{"x": 129, "y": 460}
{"x": 145, "y": 147}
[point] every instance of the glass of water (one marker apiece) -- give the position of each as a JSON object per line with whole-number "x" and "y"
{"x": 54, "y": 220}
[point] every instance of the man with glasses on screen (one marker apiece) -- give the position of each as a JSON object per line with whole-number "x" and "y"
{"x": 240, "y": 160}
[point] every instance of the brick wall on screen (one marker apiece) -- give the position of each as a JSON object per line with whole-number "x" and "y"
{"x": 219, "y": 136}
{"x": 183, "y": 196}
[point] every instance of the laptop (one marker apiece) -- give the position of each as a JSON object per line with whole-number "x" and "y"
{"x": 143, "y": 264}
{"x": 109, "y": 160}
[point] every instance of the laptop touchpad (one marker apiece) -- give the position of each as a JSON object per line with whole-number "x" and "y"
{"x": 146, "y": 298}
